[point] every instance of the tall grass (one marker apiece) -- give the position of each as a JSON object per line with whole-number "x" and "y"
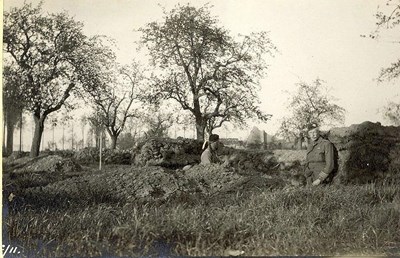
{"x": 328, "y": 220}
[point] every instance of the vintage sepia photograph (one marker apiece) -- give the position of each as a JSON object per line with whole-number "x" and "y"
{"x": 208, "y": 128}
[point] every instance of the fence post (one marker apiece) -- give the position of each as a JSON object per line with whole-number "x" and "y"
{"x": 101, "y": 140}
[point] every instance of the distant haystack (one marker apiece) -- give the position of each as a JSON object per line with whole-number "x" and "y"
{"x": 258, "y": 138}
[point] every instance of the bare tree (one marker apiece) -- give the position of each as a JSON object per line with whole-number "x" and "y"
{"x": 114, "y": 101}
{"x": 388, "y": 18}
{"x": 203, "y": 68}
{"x": 96, "y": 124}
{"x": 310, "y": 104}
{"x": 158, "y": 122}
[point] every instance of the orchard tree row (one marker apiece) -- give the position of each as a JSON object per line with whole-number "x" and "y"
{"x": 210, "y": 75}
{"x": 73, "y": 130}
{"x": 49, "y": 63}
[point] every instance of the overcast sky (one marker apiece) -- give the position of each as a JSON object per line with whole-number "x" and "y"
{"x": 316, "y": 39}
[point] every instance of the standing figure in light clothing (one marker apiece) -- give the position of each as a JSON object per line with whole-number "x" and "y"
{"x": 320, "y": 158}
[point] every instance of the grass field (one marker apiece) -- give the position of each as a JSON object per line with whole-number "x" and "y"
{"x": 323, "y": 220}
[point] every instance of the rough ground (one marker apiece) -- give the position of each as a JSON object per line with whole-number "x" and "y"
{"x": 154, "y": 171}
{"x": 150, "y": 183}
{"x": 31, "y": 172}
{"x": 45, "y": 180}
{"x": 46, "y": 164}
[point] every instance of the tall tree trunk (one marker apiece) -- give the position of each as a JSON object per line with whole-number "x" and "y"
{"x": 20, "y": 132}
{"x": 4, "y": 131}
{"x": 37, "y": 137}
{"x": 10, "y": 125}
{"x": 114, "y": 139}
{"x": 10, "y": 137}
{"x": 200, "y": 128}
{"x": 4, "y": 127}
{"x": 200, "y": 123}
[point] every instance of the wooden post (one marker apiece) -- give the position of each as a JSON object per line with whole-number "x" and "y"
{"x": 72, "y": 136}
{"x": 20, "y": 133}
{"x": 101, "y": 140}
{"x": 54, "y": 143}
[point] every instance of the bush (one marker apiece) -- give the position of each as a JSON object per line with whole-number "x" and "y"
{"x": 167, "y": 152}
{"x": 123, "y": 157}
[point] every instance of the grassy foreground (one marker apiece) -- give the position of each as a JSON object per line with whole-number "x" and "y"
{"x": 326, "y": 220}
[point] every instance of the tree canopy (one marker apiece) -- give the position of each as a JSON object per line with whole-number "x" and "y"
{"x": 388, "y": 18}
{"x": 114, "y": 100}
{"x": 391, "y": 113}
{"x": 210, "y": 73}
{"x": 49, "y": 50}
{"x": 310, "y": 104}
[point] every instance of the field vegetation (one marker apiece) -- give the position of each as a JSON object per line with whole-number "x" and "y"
{"x": 324, "y": 220}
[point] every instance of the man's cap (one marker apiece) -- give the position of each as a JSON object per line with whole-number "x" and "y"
{"x": 213, "y": 137}
{"x": 312, "y": 126}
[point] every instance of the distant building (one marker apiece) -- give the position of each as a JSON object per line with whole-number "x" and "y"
{"x": 259, "y": 138}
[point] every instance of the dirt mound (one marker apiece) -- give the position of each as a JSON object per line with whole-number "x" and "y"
{"x": 127, "y": 184}
{"x": 39, "y": 171}
{"x": 289, "y": 159}
{"x": 47, "y": 164}
{"x": 212, "y": 178}
{"x": 11, "y": 164}
{"x": 366, "y": 152}
{"x": 215, "y": 178}
{"x": 17, "y": 155}
{"x": 149, "y": 184}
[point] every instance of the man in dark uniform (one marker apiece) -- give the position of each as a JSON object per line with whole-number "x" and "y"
{"x": 320, "y": 158}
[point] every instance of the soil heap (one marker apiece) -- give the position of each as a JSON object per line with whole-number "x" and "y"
{"x": 366, "y": 152}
